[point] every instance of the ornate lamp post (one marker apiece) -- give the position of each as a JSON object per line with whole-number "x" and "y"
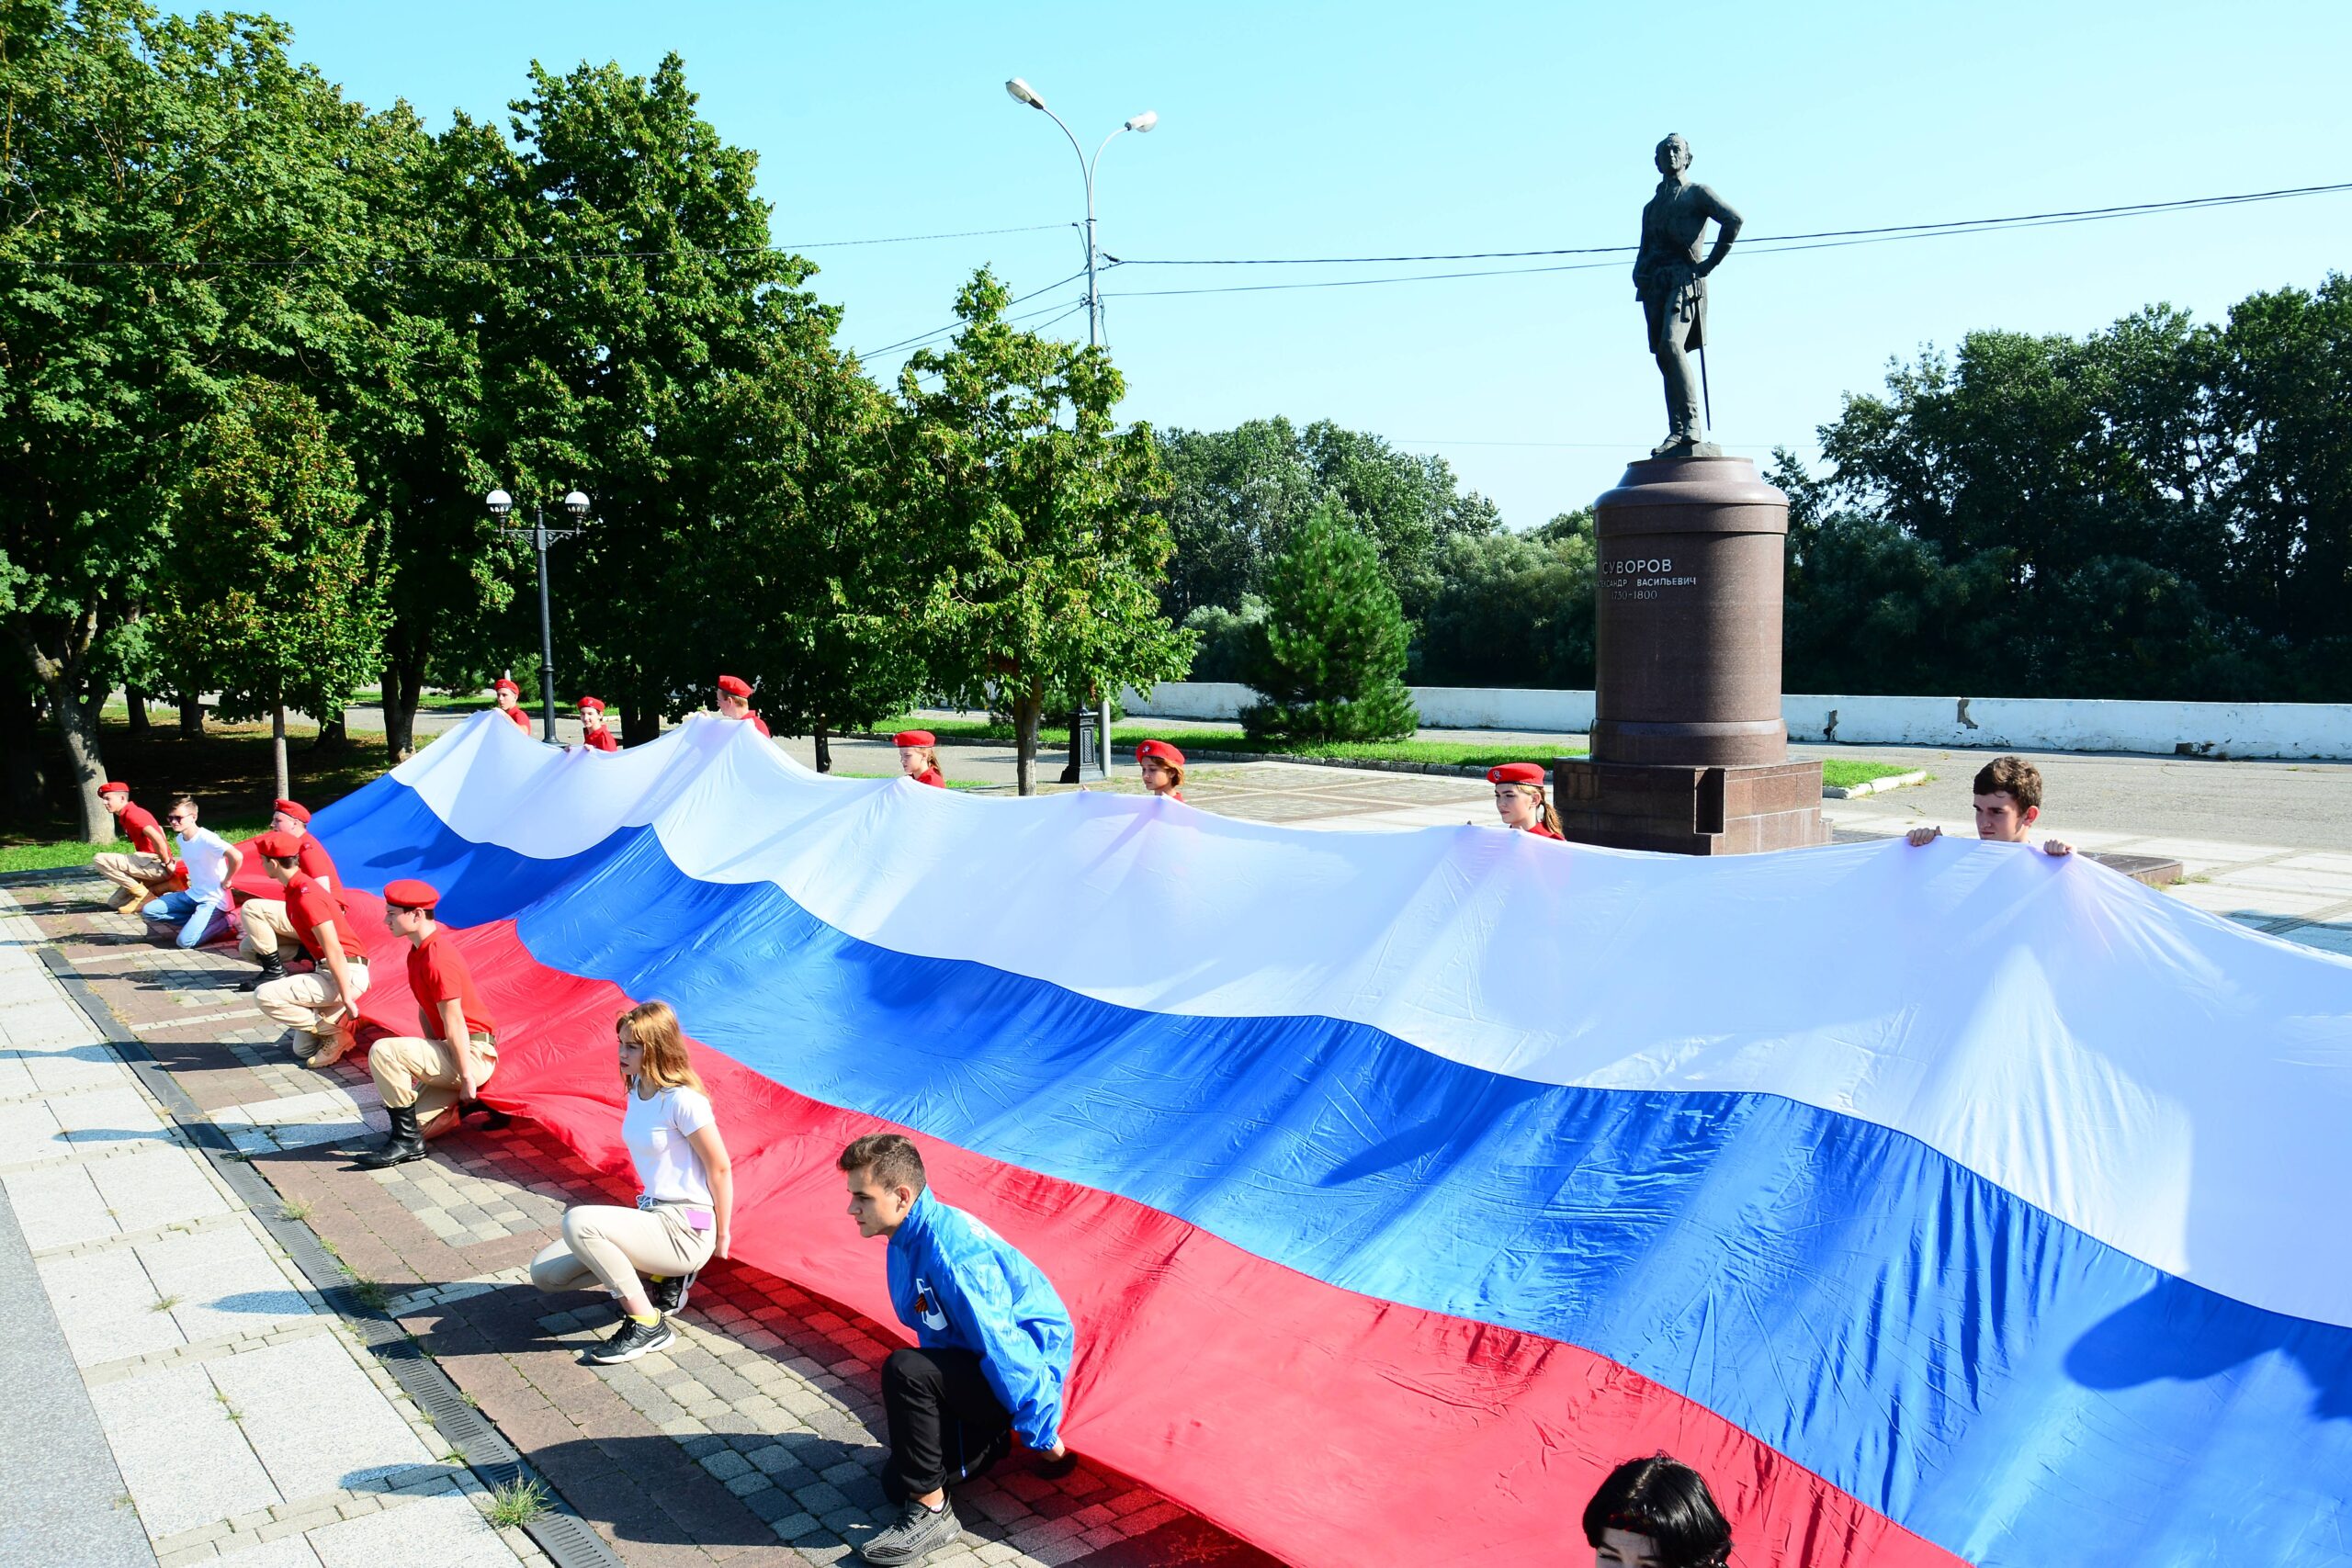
{"x": 576, "y": 503}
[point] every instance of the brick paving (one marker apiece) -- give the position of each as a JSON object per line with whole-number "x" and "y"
{"x": 755, "y": 1439}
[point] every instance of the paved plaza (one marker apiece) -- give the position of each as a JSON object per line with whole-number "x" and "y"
{"x": 193, "y": 1395}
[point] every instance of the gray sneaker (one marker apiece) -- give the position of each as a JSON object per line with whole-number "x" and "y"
{"x": 918, "y": 1532}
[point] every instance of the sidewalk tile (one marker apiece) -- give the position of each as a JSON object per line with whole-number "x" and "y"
{"x": 184, "y": 1459}
{"x": 314, "y": 1417}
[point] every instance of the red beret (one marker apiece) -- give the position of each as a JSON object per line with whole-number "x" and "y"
{"x": 411, "y": 895}
{"x": 734, "y": 685}
{"x": 596, "y": 702}
{"x": 914, "y": 737}
{"x": 1161, "y": 750}
{"x": 114, "y": 786}
{"x": 277, "y": 846}
{"x": 294, "y": 809}
{"x": 503, "y": 684}
{"x": 1516, "y": 773}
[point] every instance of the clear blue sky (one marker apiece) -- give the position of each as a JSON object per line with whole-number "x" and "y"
{"x": 1315, "y": 129}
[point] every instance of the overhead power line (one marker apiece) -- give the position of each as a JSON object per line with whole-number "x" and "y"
{"x": 920, "y": 338}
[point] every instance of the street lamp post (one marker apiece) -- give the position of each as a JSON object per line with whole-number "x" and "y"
{"x": 1022, "y": 92}
{"x": 576, "y": 503}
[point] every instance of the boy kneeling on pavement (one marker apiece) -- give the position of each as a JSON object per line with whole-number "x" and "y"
{"x": 2008, "y": 801}
{"x": 991, "y": 1352}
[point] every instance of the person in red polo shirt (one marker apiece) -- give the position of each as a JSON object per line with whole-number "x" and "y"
{"x": 265, "y": 924}
{"x": 735, "y": 701}
{"x": 594, "y": 734}
{"x": 1519, "y": 800}
{"x": 1162, "y": 767}
{"x": 146, "y": 872}
{"x": 441, "y": 1068}
{"x": 314, "y": 1005}
{"x": 510, "y": 703}
{"x": 918, "y": 757}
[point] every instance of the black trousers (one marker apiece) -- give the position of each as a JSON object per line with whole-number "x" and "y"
{"x": 946, "y": 1423}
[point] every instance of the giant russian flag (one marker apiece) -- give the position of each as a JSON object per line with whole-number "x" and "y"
{"x": 1942, "y": 1205}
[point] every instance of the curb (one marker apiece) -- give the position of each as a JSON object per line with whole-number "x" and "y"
{"x": 567, "y": 1539}
{"x": 1873, "y": 787}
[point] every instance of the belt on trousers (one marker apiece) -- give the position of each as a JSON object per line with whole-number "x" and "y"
{"x": 697, "y": 1216}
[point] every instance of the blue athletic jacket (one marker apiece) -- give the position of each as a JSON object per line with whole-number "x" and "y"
{"x": 960, "y": 1286}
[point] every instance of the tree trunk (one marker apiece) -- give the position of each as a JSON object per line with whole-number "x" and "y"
{"x": 191, "y": 716}
{"x": 1026, "y": 706}
{"x": 404, "y": 689}
{"x": 136, "y": 701}
{"x": 27, "y": 784}
{"x": 824, "y": 747}
{"x": 277, "y": 751}
{"x": 78, "y": 723}
{"x": 641, "y": 726}
{"x": 333, "y": 735}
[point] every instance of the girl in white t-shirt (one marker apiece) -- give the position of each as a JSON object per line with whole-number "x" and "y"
{"x": 681, "y": 1220}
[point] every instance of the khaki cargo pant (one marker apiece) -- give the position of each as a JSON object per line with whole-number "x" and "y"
{"x": 611, "y": 1246}
{"x": 138, "y": 877}
{"x": 265, "y": 924}
{"x": 423, "y": 1073}
{"x": 308, "y": 1003}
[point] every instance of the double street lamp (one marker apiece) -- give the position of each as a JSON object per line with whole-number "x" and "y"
{"x": 1022, "y": 92}
{"x": 576, "y": 503}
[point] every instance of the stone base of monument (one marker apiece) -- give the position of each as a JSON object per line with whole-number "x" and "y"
{"x": 1736, "y": 811}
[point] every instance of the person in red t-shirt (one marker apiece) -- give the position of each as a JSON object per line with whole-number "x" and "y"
{"x": 735, "y": 701}
{"x": 146, "y": 872}
{"x": 918, "y": 757}
{"x": 592, "y": 733}
{"x": 1162, "y": 767}
{"x": 264, "y": 923}
{"x": 510, "y": 702}
{"x": 440, "y": 1069}
{"x": 1519, "y": 800}
{"x": 315, "y": 1005}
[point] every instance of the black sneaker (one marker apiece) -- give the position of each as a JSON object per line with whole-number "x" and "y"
{"x": 918, "y": 1532}
{"x": 668, "y": 1294}
{"x": 634, "y": 1340}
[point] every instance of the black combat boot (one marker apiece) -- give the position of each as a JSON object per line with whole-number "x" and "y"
{"x": 405, "y": 1144}
{"x": 271, "y": 969}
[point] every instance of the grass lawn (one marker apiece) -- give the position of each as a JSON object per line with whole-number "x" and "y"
{"x": 1840, "y": 773}
{"x": 228, "y": 770}
{"x": 1461, "y": 753}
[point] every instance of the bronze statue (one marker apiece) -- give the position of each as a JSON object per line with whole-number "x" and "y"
{"x": 1671, "y": 282}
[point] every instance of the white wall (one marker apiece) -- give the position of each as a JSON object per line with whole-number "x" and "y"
{"x": 2316, "y": 730}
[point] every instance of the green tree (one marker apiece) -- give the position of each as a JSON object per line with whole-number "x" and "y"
{"x": 268, "y": 590}
{"x": 174, "y": 214}
{"x": 1330, "y": 657}
{"x": 1030, "y": 507}
{"x": 1233, "y": 496}
{"x": 1512, "y": 609}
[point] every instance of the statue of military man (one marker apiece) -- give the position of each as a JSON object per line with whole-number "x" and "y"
{"x": 1671, "y": 282}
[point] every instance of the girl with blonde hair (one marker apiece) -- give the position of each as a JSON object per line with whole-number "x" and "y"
{"x": 685, "y": 1213}
{"x": 1519, "y": 800}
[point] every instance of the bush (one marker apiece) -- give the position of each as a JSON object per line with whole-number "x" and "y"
{"x": 1225, "y": 638}
{"x": 1329, "y": 656}
{"x": 1514, "y": 610}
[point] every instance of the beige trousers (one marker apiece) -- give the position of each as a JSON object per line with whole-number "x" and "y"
{"x": 139, "y": 876}
{"x": 265, "y": 924}
{"x": 611, "y": 1246}
{"x": 308, "y": 1003}
{"x": 423, "y": 1073}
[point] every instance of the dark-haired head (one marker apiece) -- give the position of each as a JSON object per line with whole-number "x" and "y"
{"x": 1668, "y": 1506}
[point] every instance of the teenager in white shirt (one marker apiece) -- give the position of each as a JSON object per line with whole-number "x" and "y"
{"x": 683, "y": 1214}
{"x": 210, "y": 862}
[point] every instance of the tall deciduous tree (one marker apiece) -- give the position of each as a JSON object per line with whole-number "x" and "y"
{"x": 269, "y": 589}
{"x": 1329, "y": 656}
{"x": 173, "y": 211}
{"x": 1031, "y": 507}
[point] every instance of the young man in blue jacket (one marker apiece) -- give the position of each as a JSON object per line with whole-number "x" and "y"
{"x": 991, "y": 1352}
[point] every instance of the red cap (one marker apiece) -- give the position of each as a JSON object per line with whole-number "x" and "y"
{"x": 114, "y": 786}
{"x": 503, "y": 684}
{"x": 411, "y": 895}
{"x": 596, "y": 702}
{"x": 1516, "y": 773}
{"x": 277, "y": 846}
{"x": 914, "y": 737}
{"x": 735, "y": 685}
{"x": 1161, "y": 750}
{"x": 294, "y": 809}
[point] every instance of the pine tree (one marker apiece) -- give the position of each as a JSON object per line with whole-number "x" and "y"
{"x": 1330, "y": 657}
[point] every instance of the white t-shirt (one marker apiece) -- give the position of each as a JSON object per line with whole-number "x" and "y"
{"x": 204, "y": 850}
{"x": 656, "y": 1131}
